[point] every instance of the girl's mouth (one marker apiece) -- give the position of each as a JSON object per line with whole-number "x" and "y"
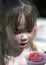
{"x": 23, "y": 45}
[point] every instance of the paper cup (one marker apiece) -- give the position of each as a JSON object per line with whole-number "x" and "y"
{"x": 35, "y": 63}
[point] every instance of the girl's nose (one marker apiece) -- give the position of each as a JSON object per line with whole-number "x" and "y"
{"x": 24, "y": 38}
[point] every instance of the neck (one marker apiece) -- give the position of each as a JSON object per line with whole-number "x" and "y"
{"x": 16, "y": 53}
{"x": 13, "y": 52}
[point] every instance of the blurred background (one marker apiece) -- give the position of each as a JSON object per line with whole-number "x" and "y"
{"x": 40, "y": 38}
{"x": 41, "y": 6}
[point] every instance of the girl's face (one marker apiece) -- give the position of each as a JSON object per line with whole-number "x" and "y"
{"x": 21, "y": 38}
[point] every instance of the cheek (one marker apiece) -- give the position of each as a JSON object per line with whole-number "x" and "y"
{"x": 16, "y": 38}
{"x": 31, "y": 35}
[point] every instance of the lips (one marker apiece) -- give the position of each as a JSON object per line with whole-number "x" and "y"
{"x": 22, "y": 45}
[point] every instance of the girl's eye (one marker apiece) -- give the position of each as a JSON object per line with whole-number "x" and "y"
{"x": 16, "y": 32}
{"x": 29, "y": 31}
{"x": 19, "y": 32}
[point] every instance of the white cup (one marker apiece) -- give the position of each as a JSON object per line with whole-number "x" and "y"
{"x": 35, "y": 63}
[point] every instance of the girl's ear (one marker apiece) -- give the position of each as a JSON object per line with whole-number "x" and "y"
{"x": 35, "y": 31}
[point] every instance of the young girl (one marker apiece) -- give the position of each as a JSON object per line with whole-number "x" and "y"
{"x": 18, "y": 31}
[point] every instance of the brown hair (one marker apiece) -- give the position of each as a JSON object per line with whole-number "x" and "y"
{"x": 14, "y": 17}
